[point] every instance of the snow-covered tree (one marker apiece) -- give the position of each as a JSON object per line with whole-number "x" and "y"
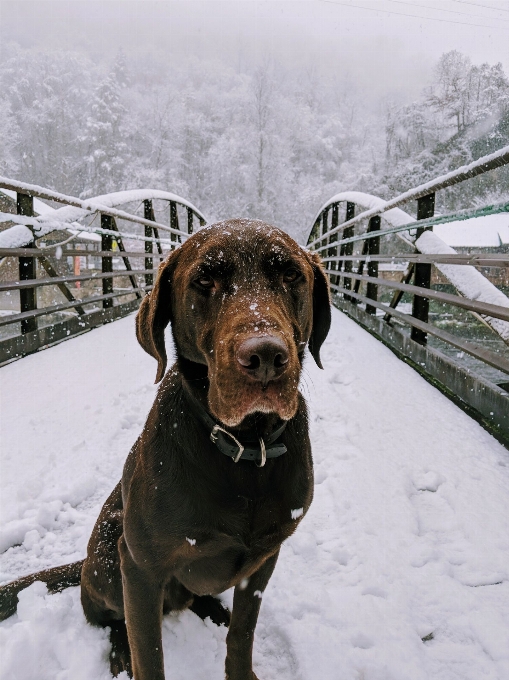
{"x": 104, "y": 135}
{"x": 265, "y": 142}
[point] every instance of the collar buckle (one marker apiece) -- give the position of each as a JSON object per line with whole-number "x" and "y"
{"x": 213, "y": 438}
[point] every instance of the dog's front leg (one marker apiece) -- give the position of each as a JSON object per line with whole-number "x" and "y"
{"x": 246, "y": 605}
{"x": 143, "y": 606}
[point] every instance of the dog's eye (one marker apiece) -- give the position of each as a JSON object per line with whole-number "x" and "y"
{"x": 291, "y": 275}
{"x": 205, "y": 281}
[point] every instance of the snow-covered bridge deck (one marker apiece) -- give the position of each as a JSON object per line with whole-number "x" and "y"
{"x": 407, "y": 538}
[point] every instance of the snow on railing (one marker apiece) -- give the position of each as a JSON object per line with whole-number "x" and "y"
{"x": 466, "y": 279}
{"x": 351, "y": 254}
{"x": 75, "y": 209}
{"x": 478, "y": 167}
{"x": 80, "y": 309}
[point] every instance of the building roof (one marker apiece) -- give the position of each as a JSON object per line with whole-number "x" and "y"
{"x": 491, "y": 231}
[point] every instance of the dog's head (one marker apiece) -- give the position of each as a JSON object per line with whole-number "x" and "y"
{"x": 244, "y": 300}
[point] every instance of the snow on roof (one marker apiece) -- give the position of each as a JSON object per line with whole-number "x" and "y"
{"x": 40, "y": 207}
{"x": 490, "y": 231}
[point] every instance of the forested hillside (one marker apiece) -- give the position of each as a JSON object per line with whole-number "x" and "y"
{"x": 262, "y": 143}
{"x": 462, "y": 115}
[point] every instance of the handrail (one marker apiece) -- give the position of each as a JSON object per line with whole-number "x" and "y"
{"x": 46, "y": 223}
{"x": 19, "y": 240}
{"x": 459, "y": 216}
{"x": 485, "y": 355}
{"x": 350, "y": 244}
{"x": 478, "y": 167}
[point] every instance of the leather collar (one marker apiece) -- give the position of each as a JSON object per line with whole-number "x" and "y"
{"x": 244, "y": 447}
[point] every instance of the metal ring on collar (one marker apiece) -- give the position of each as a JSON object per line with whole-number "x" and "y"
{"x": 264, "y": 453}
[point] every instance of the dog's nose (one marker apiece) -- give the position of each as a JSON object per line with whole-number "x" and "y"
{"x": 263, "y": 357}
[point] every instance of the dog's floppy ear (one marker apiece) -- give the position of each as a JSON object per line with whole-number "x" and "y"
{"x": 155, "y": 314}
{"x": 321, "y": 308}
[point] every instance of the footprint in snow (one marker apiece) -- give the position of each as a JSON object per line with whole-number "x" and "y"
{"x": 429, "y": 481}
{"x": 339, "y": 378}
{"x": 376, "y": 591}
{"x": 362, "y": 641}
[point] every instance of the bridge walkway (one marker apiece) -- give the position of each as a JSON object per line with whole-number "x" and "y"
{"x": 400, "y": 570}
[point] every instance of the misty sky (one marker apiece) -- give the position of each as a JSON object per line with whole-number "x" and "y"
{"x": 367, "y": 42}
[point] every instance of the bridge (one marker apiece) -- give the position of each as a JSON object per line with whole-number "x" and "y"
{"x": 400, "y": 568}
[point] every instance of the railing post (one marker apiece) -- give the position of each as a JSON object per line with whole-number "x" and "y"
{"x": 315, "y": 231}
{"x": 107, "y": 262}
{"x": 373, "y": 249}
{"x": 148, "y": 214}
{"x": 325, "y": 225}
{"x": 189, "y": 221}
{"x": 333, "y": 252}
{"x": 27, "y": 269}
{"x": 422, "y": 276}
{"x": 174, "y": 222}
{"x": 347, "y": 249}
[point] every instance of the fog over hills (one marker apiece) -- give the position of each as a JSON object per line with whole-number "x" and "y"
{"x": 262, "y": 109}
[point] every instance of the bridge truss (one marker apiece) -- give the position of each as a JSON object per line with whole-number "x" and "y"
{"x": 124, "y": 250}
{"x": 355, "y": 252}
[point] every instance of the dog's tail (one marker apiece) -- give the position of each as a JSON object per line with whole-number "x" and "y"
{"x": 56, "y": 579}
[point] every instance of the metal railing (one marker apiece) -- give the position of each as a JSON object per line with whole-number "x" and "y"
{"x": 353, "y": 251}
{"x": 121, "y": 278}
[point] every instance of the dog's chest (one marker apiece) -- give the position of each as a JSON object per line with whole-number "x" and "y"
{"x": 245, "y": 532}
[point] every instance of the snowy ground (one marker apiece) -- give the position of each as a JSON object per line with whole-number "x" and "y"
{"x": 407, "y": 538}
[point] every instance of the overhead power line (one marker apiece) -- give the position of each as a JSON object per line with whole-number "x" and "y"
{"x": 415, "y": 16}
{"x": 476, "y": 4}
{"x": 450, "y": 11}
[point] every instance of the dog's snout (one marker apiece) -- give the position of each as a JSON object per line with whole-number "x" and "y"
{"x": 263, "y": 357}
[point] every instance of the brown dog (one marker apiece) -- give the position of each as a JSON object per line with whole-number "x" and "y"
{"x": 222, "y": 472}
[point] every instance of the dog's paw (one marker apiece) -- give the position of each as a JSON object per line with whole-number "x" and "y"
{"x": 252, "y": 676}
{"x": 118, "y": 664}
{"x": 207, "y": 606}
{"x": 120, "y": 654}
